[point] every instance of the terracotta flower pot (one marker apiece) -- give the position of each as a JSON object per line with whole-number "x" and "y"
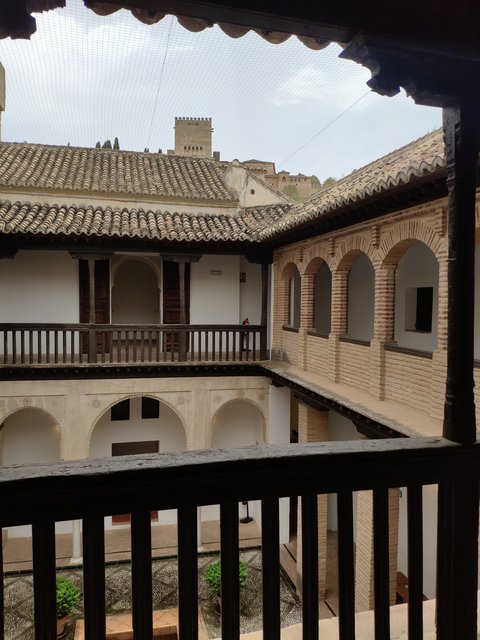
{"x": 61, "y": 625}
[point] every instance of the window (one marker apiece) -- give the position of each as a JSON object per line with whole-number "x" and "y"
{"x": 150, "y": 408}
{"x": 120, "y": 411}
{"x": 418, "y": 309}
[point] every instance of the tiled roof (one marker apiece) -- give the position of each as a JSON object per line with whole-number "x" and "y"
{"x": 418, "y": 158}
{"x": 105, "y": 171}
{"x": 26, "y": 218}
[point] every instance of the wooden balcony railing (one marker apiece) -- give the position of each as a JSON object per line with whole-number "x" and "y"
{"x": 92, "y": 489}
{"x": 62, "y": 344}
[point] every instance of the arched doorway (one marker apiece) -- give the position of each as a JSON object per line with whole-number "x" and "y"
{"x": 135, "y": 293}
{"x": 138, "y": 425}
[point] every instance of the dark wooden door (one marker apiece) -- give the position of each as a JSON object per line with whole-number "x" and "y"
{"x": 102, "y": 299}
{"x": 171, "y": 293}
{"x": 102, "y": 291}
{"x": 171, "y": 301}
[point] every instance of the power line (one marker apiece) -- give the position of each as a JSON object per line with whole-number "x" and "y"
{"x": 325, "y": 127}
{"x": 160, "y": 81}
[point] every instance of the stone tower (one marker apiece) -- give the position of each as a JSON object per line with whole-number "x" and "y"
{"x": 193, "y": 137}
{"x": 2, "y": 95}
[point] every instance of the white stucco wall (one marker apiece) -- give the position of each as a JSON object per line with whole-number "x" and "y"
{"x": 215, "y": 299}
{"x": 430, "y": 497}
{"x": 29, "y": 436}
{"x": 135, "y": 294}
{"x": 251, "y": 292}
{"x": 167, "y": 429}
{"x": 417, "y": 268}
{"x": 238, "y": 424}
{"x": 323, "y": 299}
{"x": 279, "y": 433}
{"x": 251, "y": 191}
{"x": 361, "y": 296}
{"x": 339, "y": 428}
{"x": 39, "y": 286}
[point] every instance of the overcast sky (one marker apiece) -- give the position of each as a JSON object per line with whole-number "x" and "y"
{"x": 83, "y": 78}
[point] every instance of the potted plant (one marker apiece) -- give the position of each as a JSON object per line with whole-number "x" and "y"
{"x": 68, "y": 596}
{"x": 213, "y": 577}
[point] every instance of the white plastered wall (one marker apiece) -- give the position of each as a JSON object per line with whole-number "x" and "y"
{"x": 361, "y": 296}
{"x": 167, "y": 429}
{"x": 39, "y": 286}
{"x": 251, "y": 292}
{"x": 251, "y": 191}
{"x": 135, "y": 293}
{"x": 417, "y": 268}
{"x": 279, "y": 433}
{"x": 339, "y": 428}
{"x": 430, "y": 497}
{"x": 215, "y": 290}
{"x": 29, "y": 436}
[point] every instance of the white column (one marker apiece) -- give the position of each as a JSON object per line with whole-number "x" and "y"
{"x": 76, "y": 543}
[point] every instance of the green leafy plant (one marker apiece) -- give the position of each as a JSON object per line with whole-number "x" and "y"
{"x": 213, "y": 578}
{"x": 68, "y": 596}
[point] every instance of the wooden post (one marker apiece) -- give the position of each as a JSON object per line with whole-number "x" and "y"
{"x": 462, "y": 137}
{"x": 92, "y": 355}
{"x": 264, "y": 316}
{"x": 457, "y": 548}
{"x": 182, "y": 351}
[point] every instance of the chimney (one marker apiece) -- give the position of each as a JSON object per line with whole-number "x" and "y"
{"x": 2, "y": 95}
{"x": 216, "y": 156}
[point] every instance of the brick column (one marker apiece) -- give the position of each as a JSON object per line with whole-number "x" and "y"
{"x": 439, "y": 358}
{"x": 383, "y": 327}
{"x": 339, "y": 316}
{"x": 281, "y": 304}
{"x": 307, "y": 306}
{"x": 313, "y": 427}
{"x": 364, "y": 591}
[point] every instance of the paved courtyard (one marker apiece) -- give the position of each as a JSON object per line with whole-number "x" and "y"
{"x": 19, "y": 595}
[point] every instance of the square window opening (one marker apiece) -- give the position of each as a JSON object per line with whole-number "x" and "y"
{"x": 120, "y": 411}
{"x": 150, "y": 408}
{"x": 419, "y": 309}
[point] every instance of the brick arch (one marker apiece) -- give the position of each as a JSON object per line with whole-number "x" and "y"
{"x": 398, "y": 241}
{"x": 350, "y": 248}
{"x": 314, "y": 264}
{"x": 319, "y": 253}
{"x": 288, "y": 271}
{"x": 130, "y": 396}
{"x": 246, "y": 400}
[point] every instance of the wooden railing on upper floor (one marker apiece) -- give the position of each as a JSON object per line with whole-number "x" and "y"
{"x": 92, "y": 489}
{"x": 64, "y": 344}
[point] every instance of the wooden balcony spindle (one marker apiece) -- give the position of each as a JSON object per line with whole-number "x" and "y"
{"x": 346, "y": 566}
{"x": 187, "y": 573}
{"x": 415, "y": 562}
{"x": 44, "y": 577}
{"x": 271, "y": 569}
{"x": 381, "y": 559}
{"x": 94, "y": 577}
{"x": 310, "y": 566}
{"x": 230, "y": 570}
{"x": 142, "y": 605}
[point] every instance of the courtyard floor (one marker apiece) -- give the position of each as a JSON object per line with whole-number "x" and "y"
{"x": 19, "y": 581}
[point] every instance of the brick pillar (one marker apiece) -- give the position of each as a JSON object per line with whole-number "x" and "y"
{"x": 364, "y": 588}
{"x": 439, "y": 358}
{"x": 281, "y": 306}
{"x": 442, "y": 337}
{"x": 383, "y": 328}
{"x": 313, "y": 427}
{"x": 339, "y": 317}
{"x": 307, "y": 305}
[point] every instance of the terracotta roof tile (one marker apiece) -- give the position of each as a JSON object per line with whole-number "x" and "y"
{"x": 106, "y": 171}
{"x": 26, "y": 218}
{"x": 418, "y": 158}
